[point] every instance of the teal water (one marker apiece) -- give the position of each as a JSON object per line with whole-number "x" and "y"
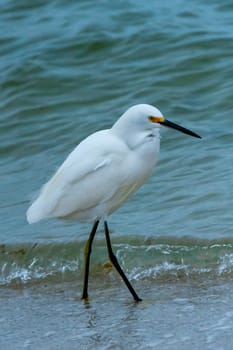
{"x": 68, "y": 69}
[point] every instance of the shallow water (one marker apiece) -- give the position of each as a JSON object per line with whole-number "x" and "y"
{"x": 67, "y": 70}
{"x": 172, "y": 315}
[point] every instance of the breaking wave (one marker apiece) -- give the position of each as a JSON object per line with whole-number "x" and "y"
{"x": 160, "y": 259}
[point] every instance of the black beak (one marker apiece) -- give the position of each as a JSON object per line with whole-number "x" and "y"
{"x": 166, "y": 122}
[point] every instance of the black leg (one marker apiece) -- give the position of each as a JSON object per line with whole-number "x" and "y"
{"x": 114, "y": 261}
{"x": 87, "y": 254}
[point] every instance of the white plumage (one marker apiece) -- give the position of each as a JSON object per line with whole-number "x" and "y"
{"x": 103, "y": 170}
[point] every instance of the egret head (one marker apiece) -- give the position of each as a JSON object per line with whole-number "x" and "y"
{"x": 136, "y": 119}
{"x": 143, "y": 117}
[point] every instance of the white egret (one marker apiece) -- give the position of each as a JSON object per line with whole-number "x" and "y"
{"x": 100, "y": 175}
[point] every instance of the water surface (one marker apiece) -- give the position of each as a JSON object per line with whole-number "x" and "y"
{"x": 67, "y": 70}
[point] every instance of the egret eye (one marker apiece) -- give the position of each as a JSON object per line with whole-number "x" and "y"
{"x": 156, "y": 119}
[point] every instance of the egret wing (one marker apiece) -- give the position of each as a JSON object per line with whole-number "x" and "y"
{"x": 83, "y": 181}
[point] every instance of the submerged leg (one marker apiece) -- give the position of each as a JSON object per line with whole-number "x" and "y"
{"x": 87, "y": 254}
{"x": 114, "y": 261}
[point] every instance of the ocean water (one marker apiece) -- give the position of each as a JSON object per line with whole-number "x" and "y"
{"x": 68, "y": 69}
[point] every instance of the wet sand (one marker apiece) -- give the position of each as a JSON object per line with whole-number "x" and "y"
{"x": 196, "y": 315}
